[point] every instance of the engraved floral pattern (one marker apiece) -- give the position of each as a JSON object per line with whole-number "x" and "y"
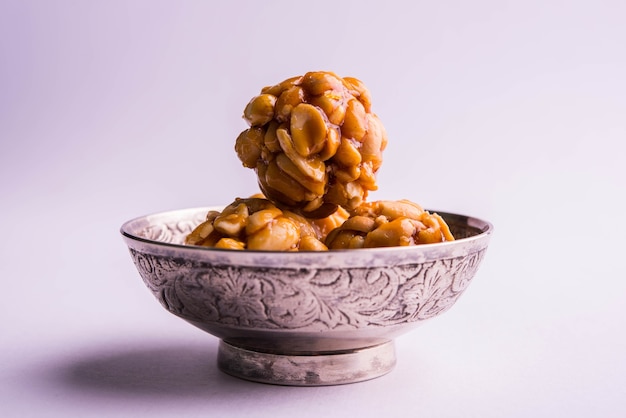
{"x": 306, "y": 299}
{"x": 298, "y": 298}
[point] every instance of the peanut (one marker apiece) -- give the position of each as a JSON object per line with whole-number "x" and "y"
{"x": 249, "y": 146}
{"x": 342, "y": 240}
{"x": 279, "y": 88}
{"x": 312, "y": 167}
{"x": 347, "y": 154}
{"x": 260, "y": 110}
{"x": 258, "y": 220}
{"x": 308, "y": 129}
{"x": 310, "y": 243}
{"x": 289, "y": 168}
{"x": 333, "y": 140}
{"x": 280, "y": 234}
{"x": 278, "y": 186}
{"x": 398, "y": 232}
{"x": 355, "y": 122}
{"x": 200, "y": 233}
{"x": 232, "y": 220}
{"x": 332, "y": 103}
{"x": 286, "y": 102}
{"x": 317, "y": 83}
{"x": 374, "y": 141}
{"x": 359, "y": 91}
{"x": 230, "y": 244}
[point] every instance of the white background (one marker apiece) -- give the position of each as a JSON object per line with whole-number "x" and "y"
{"x": 514, "y": 112}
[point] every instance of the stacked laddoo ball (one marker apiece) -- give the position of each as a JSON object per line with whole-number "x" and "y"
{"x": 315, "y": 146}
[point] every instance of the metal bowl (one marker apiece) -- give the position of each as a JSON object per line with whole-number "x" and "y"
{"x": 303, "y": 318}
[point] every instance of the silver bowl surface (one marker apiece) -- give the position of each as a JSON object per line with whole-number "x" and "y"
{"x": 303, "y": 318}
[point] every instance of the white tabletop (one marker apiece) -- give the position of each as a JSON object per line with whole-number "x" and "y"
{"x": 511, "y": 112}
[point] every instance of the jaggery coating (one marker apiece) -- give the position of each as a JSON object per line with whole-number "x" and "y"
{"x": 255, "y": 223}
{"x": 314, "y": 143}
{"x": 388, "y": 223}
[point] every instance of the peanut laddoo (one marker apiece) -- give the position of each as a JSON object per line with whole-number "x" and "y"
{"x": 314, "y": 143}
{"x": 256, "y": 223}
{"x": 389, "y": 224}
{"x": 316, "y": 147}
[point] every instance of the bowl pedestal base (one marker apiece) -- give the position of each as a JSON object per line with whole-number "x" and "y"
{"x": 310, "y": 369}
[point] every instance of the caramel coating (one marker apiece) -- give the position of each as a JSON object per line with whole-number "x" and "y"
{"x": 388, "y": 224}
{"x": 256, "y": 223}
{"x": 314, "y": 143}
